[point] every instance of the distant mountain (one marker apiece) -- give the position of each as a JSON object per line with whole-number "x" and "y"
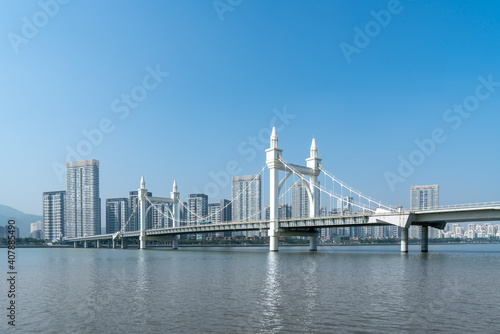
{"x": 23, "y": 220}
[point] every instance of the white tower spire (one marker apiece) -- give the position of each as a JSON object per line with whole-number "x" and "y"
{"x": 274, "y": 138}
{"x": 174, "y": 188}
{"x": 143, "y": 184}
{"x": 314, "y": 149}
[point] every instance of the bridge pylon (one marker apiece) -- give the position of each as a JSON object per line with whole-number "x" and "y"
{"x": 274, "y": 161}
{"x": 174, "y": 195}
{"x": 141, "y": 195}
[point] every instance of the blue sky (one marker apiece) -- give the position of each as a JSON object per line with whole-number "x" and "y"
{"x": 228, "y": 78}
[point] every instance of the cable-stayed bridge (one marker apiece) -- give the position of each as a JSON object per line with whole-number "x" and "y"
{"x": 368, "y": 211}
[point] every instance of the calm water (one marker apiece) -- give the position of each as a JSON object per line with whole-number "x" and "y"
{"x": 362, "y": 289}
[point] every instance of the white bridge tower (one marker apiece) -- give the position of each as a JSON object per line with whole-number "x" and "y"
{"x": 143, "y": 198}
{"x": 275, "y": 163}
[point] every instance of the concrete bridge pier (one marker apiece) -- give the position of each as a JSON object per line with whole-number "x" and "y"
{"x": 313, "y": 242}
{"x": 175, "y": 242}
{"x": 142, "y": 240}
{"x": 85, "y": 244}
{"x": 425, "y": 239}
{"x": 273, "y": 237}
{"x": 97, "y": 244}
{"x": 124, "y": 243}
{"x": 404, "y": 240}
{"x": 74, "y": 244}
{"x": 113, "y": 243}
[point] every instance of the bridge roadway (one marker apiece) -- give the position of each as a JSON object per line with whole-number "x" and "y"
{"x": 434, "y": 217}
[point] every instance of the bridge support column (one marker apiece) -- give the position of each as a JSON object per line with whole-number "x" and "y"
{"x": 74, "y": 244}
{"x": 175, "y": 242}
{"x": 313, "y": 242}
{"x": 142, "y": 240}
{"x": 113, "y": 243}
{"x": 141, "y": 196}
{"x": 124, "y": 244}
{"x": 97, "y": 244}
{"x": 85, "y": 244}
{"x": 273, "y": 237}
{"x": 425, "y": 239}
{"x": 404, "y": 240}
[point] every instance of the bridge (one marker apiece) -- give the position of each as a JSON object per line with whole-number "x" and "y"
{"x": 369, "y": 212}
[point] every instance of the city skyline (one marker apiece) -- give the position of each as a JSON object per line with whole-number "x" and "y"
{"x": 398, "y": 111}
{"x": 83, "y": 181}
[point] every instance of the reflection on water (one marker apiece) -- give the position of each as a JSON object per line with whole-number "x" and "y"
{"x": 272, "y": 295}
{"x": 229, "y": 290}
{"x": 142, "y": 284}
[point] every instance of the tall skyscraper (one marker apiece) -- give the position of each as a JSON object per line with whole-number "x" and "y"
{"x": 226, "y": 214}
{"x": 226, "y": 210}
{"x": 214, "y": 213}
{"x": 300, "y": 200}
{"x": 83, "y": 205}
{"x": 197, "y": 208}
{"x": 53, "y": 214}
{"x": 247, "y": 199}
{"x": 161, "y": 215}
{"x": 117, "y": 214}
{"x": 215, "y": 217}
{"x": 183, "y": 214}
{"x": 424, "y": 197}
{"x": 197, "y": 212}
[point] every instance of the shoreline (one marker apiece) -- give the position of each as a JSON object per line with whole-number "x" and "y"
{"x": 265, "y": 245}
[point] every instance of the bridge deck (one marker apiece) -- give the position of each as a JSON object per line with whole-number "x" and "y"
{"x": 437, "y": 217}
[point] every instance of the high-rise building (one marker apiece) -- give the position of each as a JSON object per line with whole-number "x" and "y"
{"x": 226, "y": 214}
{"x": 246, "y": 195}
{"x": 284, "y": 211}
{"x": 215, "y": 217}
{"x": 83, "y": 205}
{"x": 183, "y": 214}
{"x": 424, "y": 197}
{"x": 133, "y": 209}
{"x": 161, "y": 216}
{"x": 53, "y": 214}
{"x": 247, "y": 200}
{"x": 197, "y": 212}
{"x": 197, "y": 208}
{"x": 344, "y": 205}
{"x": 5, "y": 232}
{"x": 226, "y": 210}
{"x": 117, "y": 214}
{"x": 37, "y": 230}
{"x": 214, "y": 213}
{"x": 300, "y": 200}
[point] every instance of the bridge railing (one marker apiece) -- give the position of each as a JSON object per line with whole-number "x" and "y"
{"x": 461, "y": 206}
